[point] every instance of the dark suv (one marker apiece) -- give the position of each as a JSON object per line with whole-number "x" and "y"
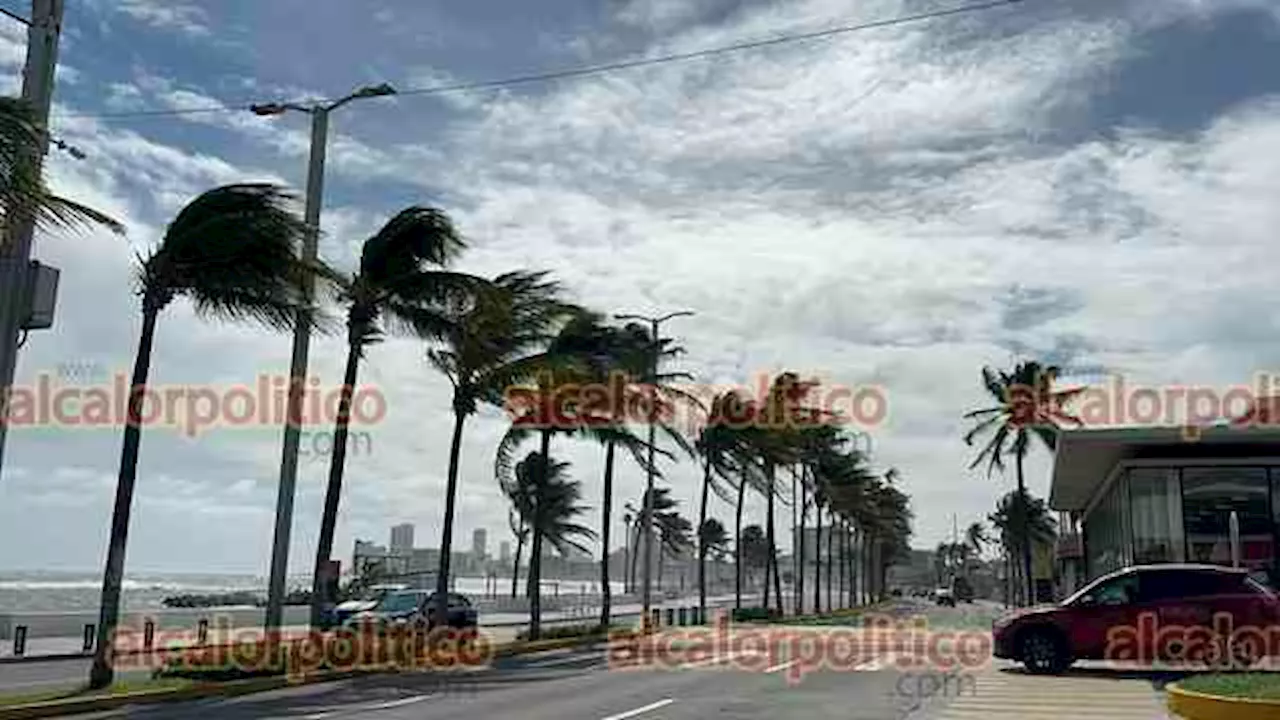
{"x": 412, "y": 608}
{"x": 1175, "y": 612}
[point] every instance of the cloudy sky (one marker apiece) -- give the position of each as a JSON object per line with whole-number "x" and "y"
{"x": 1092, "y": 182}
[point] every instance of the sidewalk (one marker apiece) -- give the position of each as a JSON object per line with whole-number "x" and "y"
{"x": 1083, "y": 693}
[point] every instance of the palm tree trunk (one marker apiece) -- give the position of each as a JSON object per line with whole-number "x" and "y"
{"x": 606, "y": 511}
{"x": 102, "y": 672}
{"x": 515, "y": 569}
{"x": 333, "y": 493}
{"x": 535, "y": 562}
{"x": 817, "y": 565}
{"x": 840, "y": 566}
{"x": 702, "y": 546}
{"x": 662, "y": 553}
{"x": 800, "y": 552}
{"x": 450, "y": 500}
{"x": 849, "y": 565}
{"x": 796, "y": 567}
{"x": 635, "y": 552}
{"x": 737, "y": 546}
{"x": 773, "y": 546}
{"x": 1028, "y": 580}
{"x": 831, "y": 528}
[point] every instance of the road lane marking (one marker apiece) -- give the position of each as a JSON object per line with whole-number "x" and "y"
{"x": 781, "y": 666}
{"x": 399, "y": 703}
{"x": 875, "y": 664}
{"x": 350, "y": 709}
{"x": 640, "y": 710}
{"x": 578, "y": 658}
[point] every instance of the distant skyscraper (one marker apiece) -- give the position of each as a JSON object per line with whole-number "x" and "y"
{"x": 479, "y": 543}
{"x": 504, "y": 551}
{"x": 402, "y": 537}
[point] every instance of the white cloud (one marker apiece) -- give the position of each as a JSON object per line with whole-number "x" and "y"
{"x": 898, "y": 208}
{"x": 175, "y": 15}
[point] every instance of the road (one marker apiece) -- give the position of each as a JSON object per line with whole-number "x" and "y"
{"x": 748, "y": 682}
{"x": 588, "y": 683}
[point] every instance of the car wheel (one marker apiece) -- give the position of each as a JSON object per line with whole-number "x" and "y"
{"x": 1043, "y": 652}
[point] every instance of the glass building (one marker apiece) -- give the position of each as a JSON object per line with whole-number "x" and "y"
{"x": 1151, "y": 495}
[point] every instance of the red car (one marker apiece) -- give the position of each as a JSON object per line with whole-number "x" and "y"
{"x": 1174, "y": 613}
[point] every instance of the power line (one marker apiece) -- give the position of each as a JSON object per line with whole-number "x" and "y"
{"x": 591, "y": 69}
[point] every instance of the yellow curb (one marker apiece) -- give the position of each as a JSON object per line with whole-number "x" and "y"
{"x": 1202, "y": 706}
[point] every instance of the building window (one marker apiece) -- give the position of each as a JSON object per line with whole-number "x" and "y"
{"x": 1154, "y": 507}
{"x": 1209, "y": 496}
{"x": 1107, "y": 531}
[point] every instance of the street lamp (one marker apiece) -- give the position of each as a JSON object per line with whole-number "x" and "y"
{"x": 319, "y": 113}
{"x": 646, "y": 515}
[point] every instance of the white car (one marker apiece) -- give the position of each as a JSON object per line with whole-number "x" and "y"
{"x": 944, "y": 596}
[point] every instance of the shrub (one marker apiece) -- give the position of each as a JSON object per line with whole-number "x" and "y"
{"x": 560, "y": 632}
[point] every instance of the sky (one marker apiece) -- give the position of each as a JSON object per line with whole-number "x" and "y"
{"x": 1087, "y": 182}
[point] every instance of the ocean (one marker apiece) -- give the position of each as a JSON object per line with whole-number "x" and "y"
{"x": 59, "y": 591}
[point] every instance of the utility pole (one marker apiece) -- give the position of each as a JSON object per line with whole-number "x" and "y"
{"x": 43, "y": 31}
{"x": 301, "y": 343}
{"x": 646, "y": 515}
{"x": 297, "y": 380}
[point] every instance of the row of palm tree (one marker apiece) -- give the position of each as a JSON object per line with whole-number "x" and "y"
{"x": 233, "y": 252}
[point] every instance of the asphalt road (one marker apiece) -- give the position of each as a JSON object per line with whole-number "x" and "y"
{"x": 584, "y": 683}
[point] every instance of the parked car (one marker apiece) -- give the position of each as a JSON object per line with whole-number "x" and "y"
{"x": 1102, "y": 620}
{"x": 416, "y": 608}
{"x": 944, "y": 596}
{"x": 368, "y": 600}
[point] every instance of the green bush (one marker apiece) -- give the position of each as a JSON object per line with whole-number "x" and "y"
{"x": 586, "y": 630}
{"x": 755, "y": 614}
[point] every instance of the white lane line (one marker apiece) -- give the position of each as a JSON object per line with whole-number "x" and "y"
{"x": 352, "y": 709}
{"x": 640, "y": 710}
{"x": 875, "y": 664}
{"x": 578, "y": 658}
{"x": 398, "y": 703}
{"x": 781, "y": 666}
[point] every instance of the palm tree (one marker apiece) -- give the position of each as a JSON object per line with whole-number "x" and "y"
{"x": 778, "y": 442}
{"x": 1027, "y": 405}
{"x": 496, "y": 339}
{"x": 675, "y": 537}
{"x": 1022, "y": 522}
{"x": 550, "y": 502}
{"x": 401, "y": 286}
{"x": 663, "y": 509}
{"x": 975, "y": 538}
{"x": 726, "y": 452}
{"x": 614, "y": 358}
{"x": 713, "y": 542}
{"x": 755, "y": 549}
{"x": 233, "y": 251}
{"x": 22, "y": 187}
{"x": 521, "y": 532}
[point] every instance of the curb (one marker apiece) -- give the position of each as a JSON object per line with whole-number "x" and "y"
{"x": 1202, "y": 706}
{"x": 234, "y": 688}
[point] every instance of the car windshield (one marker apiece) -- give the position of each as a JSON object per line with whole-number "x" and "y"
{"x": 400, "y": 602}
